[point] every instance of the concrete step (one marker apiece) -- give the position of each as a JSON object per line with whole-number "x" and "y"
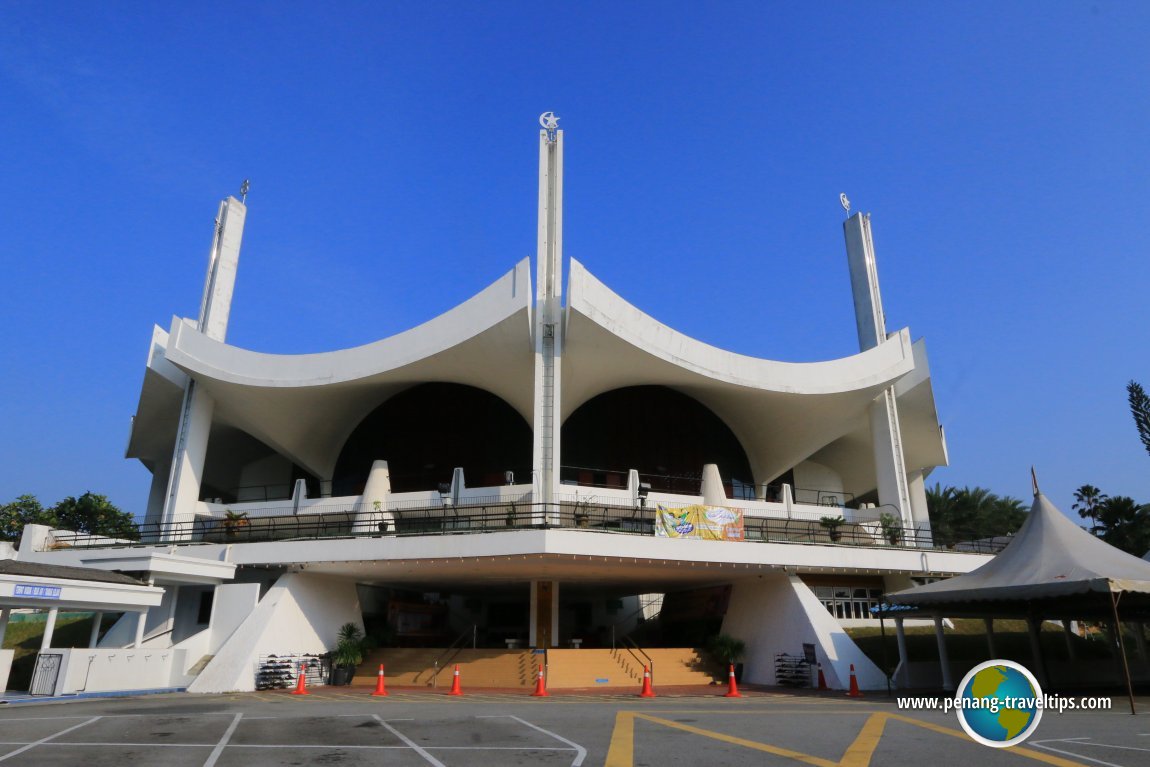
{"x": 477, "y": 668}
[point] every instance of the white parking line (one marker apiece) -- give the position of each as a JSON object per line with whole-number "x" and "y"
{"x": 415, "y": 746}
{"x": 219, "y": 749}
{"x": 581, "y": 753}
{"x": 50, "y": 737}
{"x": 1076, "y": 741}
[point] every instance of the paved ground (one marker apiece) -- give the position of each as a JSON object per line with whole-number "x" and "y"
{"x": 349, "y": 728}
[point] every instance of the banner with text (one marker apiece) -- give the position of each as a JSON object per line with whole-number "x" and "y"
{"x": 710, "y": 523}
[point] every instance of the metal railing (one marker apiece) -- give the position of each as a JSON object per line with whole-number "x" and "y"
{"x": 453, "y": 650}
{"x": 505, "y": 516}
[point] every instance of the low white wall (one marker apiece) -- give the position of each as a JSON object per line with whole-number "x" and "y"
{"x": 778, "y": 614}
{"x": 94, "y": 670}
{"x": 301, "y": 613}
{"x": 5, "y": 667}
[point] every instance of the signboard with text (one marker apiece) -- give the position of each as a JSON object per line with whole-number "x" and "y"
{"x": 36, "y": 592}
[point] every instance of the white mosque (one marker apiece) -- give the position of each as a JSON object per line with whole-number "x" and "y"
{"x": 542, "y": 469}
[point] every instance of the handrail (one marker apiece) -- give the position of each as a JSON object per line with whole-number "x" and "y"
{"x": 650, "y": 664}
{"x": 801, "y": 527}
{"x": 474, "y": 631}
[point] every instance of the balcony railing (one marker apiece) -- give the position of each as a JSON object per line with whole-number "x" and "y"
{"x": 495, "y": 517}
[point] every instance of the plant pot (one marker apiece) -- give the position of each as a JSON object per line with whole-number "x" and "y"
{"x": 582, "y": 520}
{"x": 341, "y": 676}
{"x": 835, "y": 535}
{"x": 739, "y": 673}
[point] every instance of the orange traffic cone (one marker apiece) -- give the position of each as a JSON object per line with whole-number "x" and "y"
{"x": 732, "y": 688}
{"x": 647, "y": 691}
{"x": 854, "y": 691}
{"x": 380, "y": 689}
{"x": 455, "y": 682}
{"x": 822, "y": 679}
{"x": 540, "y": 685}
{"x": 301, "y": 684}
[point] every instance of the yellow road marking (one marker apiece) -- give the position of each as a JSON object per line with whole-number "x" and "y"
{"x": 1020, "y": 750}
{"x": 859, "y": 752}
{"x": 621, "y": 751}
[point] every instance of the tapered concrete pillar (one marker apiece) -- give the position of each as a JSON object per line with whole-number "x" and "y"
{"x": 548, "y": 328}
{"x": 49, "y": 629}
{"x": 943, "y": 658}
{"x": 890, "y": 463}
{"x": 903, "y": 656}
{"x": 94, "y": 635}
{"x": 712, "y": 488}
{"x": 371, "y": 510}
{"x": 187, "y": 464}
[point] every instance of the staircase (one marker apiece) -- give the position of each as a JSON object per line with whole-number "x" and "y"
{"x": 413, "y": 667}
{"x": 567, "y": 669}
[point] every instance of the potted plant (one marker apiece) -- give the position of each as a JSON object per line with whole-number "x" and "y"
{"x": 349, "y": 649}
{"x": 511, "y": 515}
{"x": 582, "y": 514}
{"x": 382, "y": 525}
{"x": 234, "y": 522}
{"x": 832, "y": 525}
{"x": 891, "y": 528}
{"x": 729, "y": 651}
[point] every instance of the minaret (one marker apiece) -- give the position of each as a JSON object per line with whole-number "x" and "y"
{"x": 548, "y": 311}
{"x": 894, "y": 488}
{"x": 187, "y": 466}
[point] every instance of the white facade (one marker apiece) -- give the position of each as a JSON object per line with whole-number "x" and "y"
{"x": 315, "y": 452}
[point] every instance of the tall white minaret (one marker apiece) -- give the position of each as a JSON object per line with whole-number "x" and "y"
{"x": 894, "y": 487}
{"x": 187, "y": 465}
{"x": 548, "y": 310}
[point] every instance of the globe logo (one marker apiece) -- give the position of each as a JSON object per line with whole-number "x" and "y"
{"x": 999, "y": 703}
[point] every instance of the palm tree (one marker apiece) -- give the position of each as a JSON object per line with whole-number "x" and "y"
{"x": 1087, "y": 500}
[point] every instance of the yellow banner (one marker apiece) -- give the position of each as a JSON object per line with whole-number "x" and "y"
{"x": 710, "y": 523}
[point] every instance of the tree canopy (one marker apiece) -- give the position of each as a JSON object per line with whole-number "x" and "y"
{"x": 90, "y": 513}
{"x": 1140, "y": 409}
{"x": 965, "y": 514}
{"x": 1124, "y": 523}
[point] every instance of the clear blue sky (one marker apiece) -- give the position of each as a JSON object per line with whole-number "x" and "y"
{"x": 1002, "y": 149}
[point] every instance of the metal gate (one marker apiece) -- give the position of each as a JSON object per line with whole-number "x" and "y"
{"x": 45, "y": 674}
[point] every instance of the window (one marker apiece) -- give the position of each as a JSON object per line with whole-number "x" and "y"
{"x": 204, "y": 614}
{"x": 848, "y": 602}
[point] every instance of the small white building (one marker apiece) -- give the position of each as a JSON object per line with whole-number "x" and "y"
{"x": 527, "y": 465}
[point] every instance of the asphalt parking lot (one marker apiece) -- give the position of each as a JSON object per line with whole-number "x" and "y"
{"x": 352, "y": 728}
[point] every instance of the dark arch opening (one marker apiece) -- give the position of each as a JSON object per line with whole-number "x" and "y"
{"x": 428, "y": 430}
{"x": 664, "y": 434}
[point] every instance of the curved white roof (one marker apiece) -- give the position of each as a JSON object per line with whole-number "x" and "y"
{"x": 306, "y": 405}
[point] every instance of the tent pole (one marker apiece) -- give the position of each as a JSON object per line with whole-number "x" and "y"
{"x": 1122, "y": 650}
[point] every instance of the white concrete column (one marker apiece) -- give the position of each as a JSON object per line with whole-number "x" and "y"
{"x": 5, "y": 615}
{"x": 94, "y": 636}
{"x": 49, "y": 629}
{"x": 548, "y": 317}
{"x": 943, "y": 658}
{"x": 141, "y": 621}
{"x": 157, "y": 494}
{"x": 712, "y": 486}
{"x": 903, "y": 656}
{"x": 371, "y": 510}
{"x": 920, "y": 515}
{"x": 187, "y": 464}
{"x": 890, "y": 465}
{"x": 990, "y": 648}
{"x": 1071, "y": 652}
